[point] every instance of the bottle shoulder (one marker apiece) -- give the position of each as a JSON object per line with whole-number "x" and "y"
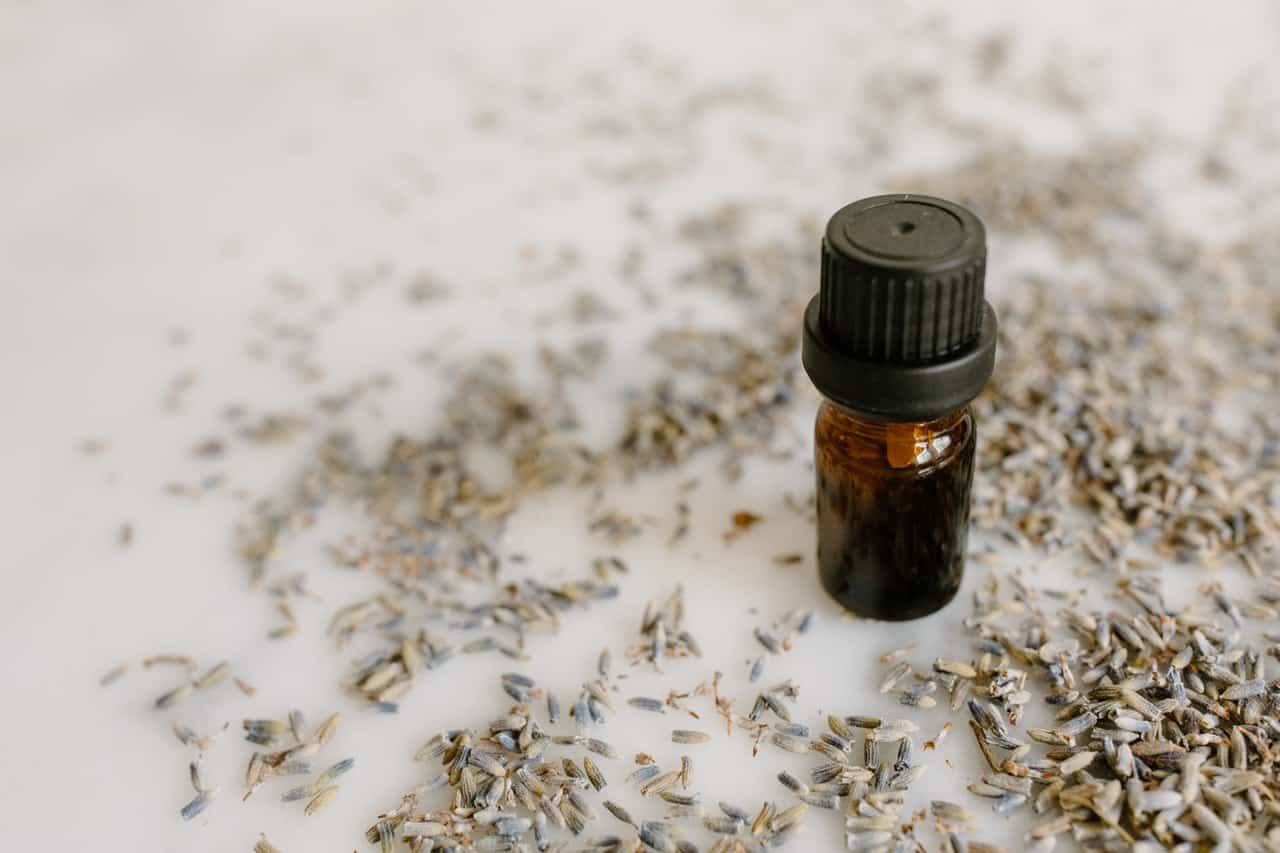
{"x": 842, "y": 438}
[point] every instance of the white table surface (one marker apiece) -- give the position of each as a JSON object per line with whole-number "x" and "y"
{"x": 161, "y": 163}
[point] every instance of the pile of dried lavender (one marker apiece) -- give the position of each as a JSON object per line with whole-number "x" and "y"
{"x": 507, "y": 790}
{"x": 1165, "y": 730}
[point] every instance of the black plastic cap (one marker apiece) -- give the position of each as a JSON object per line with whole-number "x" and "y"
{"x": 899, "y": 328}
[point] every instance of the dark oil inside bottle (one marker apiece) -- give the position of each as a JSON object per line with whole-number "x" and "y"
{"x": 892, "y": 511}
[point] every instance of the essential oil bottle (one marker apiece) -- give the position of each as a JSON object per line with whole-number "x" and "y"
{"x": 899, "y": 340}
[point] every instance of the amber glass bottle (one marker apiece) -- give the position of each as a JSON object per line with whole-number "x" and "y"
{"x": 899, "y": 340}
{"x": 892, "y": 496}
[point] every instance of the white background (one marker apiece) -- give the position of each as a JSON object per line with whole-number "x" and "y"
{"x": 161, "y": 163}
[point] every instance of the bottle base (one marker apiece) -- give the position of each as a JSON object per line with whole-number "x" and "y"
{"x": 886, "y": 606}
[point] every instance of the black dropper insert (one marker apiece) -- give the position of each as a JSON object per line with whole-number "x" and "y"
{"x": 899, "y": 329}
